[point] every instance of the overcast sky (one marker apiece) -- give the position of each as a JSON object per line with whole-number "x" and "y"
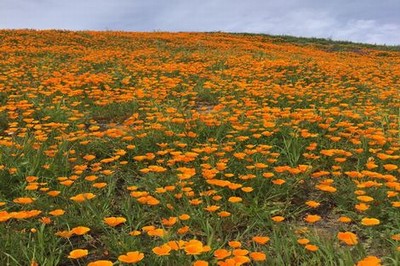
{"x": 369, "y": 21}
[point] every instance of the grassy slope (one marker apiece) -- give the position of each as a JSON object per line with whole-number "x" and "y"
{"x": 274, "y": 120}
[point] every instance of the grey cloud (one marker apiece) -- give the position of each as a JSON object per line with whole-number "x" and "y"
{"x": 368, "y": 21}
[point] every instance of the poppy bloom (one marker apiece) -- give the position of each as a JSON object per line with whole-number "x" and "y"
{"x": 261, "y": 239}
{"x": 100, "y": 263}
{"x": 240, "y": 252}
{"x": 365, "y": 198}
{"x": 163, "y": 250}
{"x": 235, "y": 199}
{"x": 57, "y": 212}
{"x": 89, "y": 157}
{"x": 370, "y": 221}
{"x": 326, "y": 188}
{"x": 183, "y": 230}
{"x": 369, "y": 261}
{"x": 135, "y": 233}
{"x": 344, "y": 219}
{"x": 268, "y": 175}
{"x": 78, "y": 253}
{"x": 311, "y": 247}
{"x": 258, "y": 256}
{"x": 221, "y": 254}
{"x": 277, "y": 219}
{"x": 312, "y": 204}
{"x": 45, "y": 220}
{"x": 24, "y": 200}
{"x": 131, "y": 257}
{"x": 348, "y": 238}
{"x": 53, "y": 193}
{"x": 224, "y": 214}
{"x": 395, "y": 237}
{"x": 247, "y": 189}
{"x": 240, "y": 260}
{"x": 114, "y": 221}
{"x": 157, "y": 232}
{"x": 193, "y": 247}
{"x": 170, "y": 221}
{"x": 80, "y": 230}
{"x": 303, "y": 241}
{"x": 361, "y": 207}
{"x": 312, "y": 218}
{"x": 82, "y": 197}
{"x": 200, "y": 263}
{"x": 212, "y": 208}
{"x": 176, "y": 245}
{"x": 99, "y": 185}
{"x": 390, "y": 167}
{"x": 234, "y": 244}
{"x": 184, "y": 217}
{"x": 278, "y": 182}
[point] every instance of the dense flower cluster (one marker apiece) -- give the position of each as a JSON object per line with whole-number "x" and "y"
{"x": 197, "y": 148}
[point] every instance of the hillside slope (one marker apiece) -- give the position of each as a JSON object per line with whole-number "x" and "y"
{"x": 197, "y": 148}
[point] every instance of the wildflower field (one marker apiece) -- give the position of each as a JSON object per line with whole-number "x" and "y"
{"x": 159, "y": 148}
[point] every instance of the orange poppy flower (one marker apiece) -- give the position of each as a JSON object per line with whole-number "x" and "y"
{"x": 114, "y": 221}
{"x": 365, "y": 198}
{"x": 57, "y": 212}
{"x": 370, "y": 221}
{"x": 261, "y": 239}
{"x": 82, "y": 197}
{"x": 235, "y": 199}
{"x": 89, "y": 157}
{"x": 184, "y": 217}
{"x": 369, "y": 261}
{"x": 131, "y": 257}
{"x": 348, "y": 238}
{"x": 240, "y": 252}
{"x": 221, "y": 254}
{"x": 395, "y": 237}
{"x": 268, "y": 175}
{"x": 163, "y": 250}
{"x": 193, "y": 247}
{"x": 53, "y": 193}
{"x": 212, "y": 208}
{"x": 361, "y": 207}
{"x": 240, "y": 260}
{"x": 170, "y": 221}
{"x": 278, "y": 181}
{"x": 344, "y": 219}
{"x": 183, "y": 230}
{"x": 224, "y": 214}
{"x": 80, "y": 230}
{"x": 311, "y": 247}
{"x": 156, "y": 232}
{"x": 258, "y": 256}
{"x": 78, "y": 253}
{"x": 303, "y": 241}
{"x": 200, "y": 263}
{"x": 277, "y": 219}
{"x": 135, "y": 233}
{"x": 24, "y": 200}
{"x": 326, "y": 188}
{"x": 234, "y": 244}
{"x": 312, "y": 204}
{"x": 390, "y": 167}
{"x": 99, "y": 185}
{"x": 312, "y": 218}
{"x": 100, "y": 263}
